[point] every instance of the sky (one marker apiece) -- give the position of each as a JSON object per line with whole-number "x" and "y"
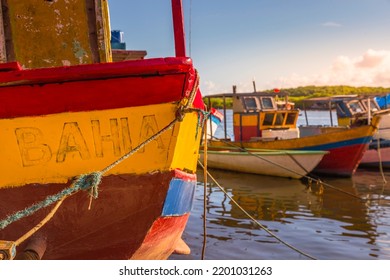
{"x": 276, "y": 43}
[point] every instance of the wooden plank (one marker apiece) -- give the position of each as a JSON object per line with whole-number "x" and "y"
{"x": 3, "y": 52}
{"x": 55, "y": 33}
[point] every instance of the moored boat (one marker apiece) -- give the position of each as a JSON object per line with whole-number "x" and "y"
{"x": 377, "y": 155}
{"x": 280, "y": 163}
{"x": 355, "y": 111}
{"x": 259, "y": 124}
{"x": 126, "y": 133}
{"x": 382, "y": 101}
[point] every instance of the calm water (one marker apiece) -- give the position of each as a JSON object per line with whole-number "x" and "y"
{"x": 326, "y": 225}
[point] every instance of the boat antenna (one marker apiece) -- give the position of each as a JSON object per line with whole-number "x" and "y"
{"x": 254, "y": 85}
{"x": 178, "y": 28}
{"x": 190, "y": 31}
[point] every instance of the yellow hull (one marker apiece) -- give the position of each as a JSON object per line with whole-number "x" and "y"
{"x": 55, "y": 148}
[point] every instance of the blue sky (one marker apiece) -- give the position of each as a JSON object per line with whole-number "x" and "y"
{"x": 279, "y": 43}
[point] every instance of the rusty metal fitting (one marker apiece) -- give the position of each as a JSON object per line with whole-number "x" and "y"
{"x": 7, "y": 250}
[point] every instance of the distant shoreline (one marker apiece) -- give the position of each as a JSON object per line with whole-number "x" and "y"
{"x": 299, "y": 94}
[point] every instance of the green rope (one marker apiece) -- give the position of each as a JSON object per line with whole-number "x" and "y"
{"x": 83, "y": 183}
{"x": 202, "y": 118}
{"x": 91, "y": 181}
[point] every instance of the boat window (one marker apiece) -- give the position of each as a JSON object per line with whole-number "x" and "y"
{"x": 355, "y": 107}
{"x": 268, "y": 119}
{"x": 266, "y": 103}
{"x": 250, "y": 103}
{"x": 291, "y": 117}
{"x": 279, "y": 119}
{"x": 373, "y": 105}
{"x": 340, "y": 110}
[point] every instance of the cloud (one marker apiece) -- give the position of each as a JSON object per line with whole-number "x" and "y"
{"x": 331, "y": 24}
{"x": 372, "y": 58}
{"x": 372, "y": 68}
{"x": 210, "y": 87}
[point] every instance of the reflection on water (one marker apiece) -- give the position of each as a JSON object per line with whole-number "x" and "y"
{"x": 326, "y": 225}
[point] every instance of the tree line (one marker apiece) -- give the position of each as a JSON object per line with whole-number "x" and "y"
{"x": 298, "y": 94}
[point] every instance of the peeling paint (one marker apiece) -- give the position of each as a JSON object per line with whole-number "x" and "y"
{"x": 58, "y": 32}
{"x": 59, "y": 28}
{"x": 79, "y": 52}
{"x": 48, "y": 61}
{"x": 66, "y": 63}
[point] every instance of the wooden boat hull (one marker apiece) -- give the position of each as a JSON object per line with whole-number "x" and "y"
{"x": 132, "y": 214}
{"x": 375, "y": 157}
{"x": 80, "y": 119}
{"x": 346, "y": 148}
{"x": 384, "y": 128}
{"x": 290, "y": 164}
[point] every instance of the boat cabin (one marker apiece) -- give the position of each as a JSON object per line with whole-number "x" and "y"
{"x": 351, "y": 109}
{"x": 354, "y": 111}
{"x": 260, "y": 115}
{"x": 383, "y": 101}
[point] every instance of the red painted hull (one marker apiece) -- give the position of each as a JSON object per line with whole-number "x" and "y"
{"x": 149, "y": 206}
{"x": 162, "y": 238}
{"x": 341, "y": 161}
{"x": 94, "y": 87}
{"x": 54, "y": 122}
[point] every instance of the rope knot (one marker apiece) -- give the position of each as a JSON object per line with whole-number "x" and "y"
{"x": 180, "y": 113}
{"x": 89, "y": 182}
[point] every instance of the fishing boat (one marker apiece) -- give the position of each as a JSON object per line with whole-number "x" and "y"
{"x": 98, "y": 158}
{"x": 352, "y": 111}
{"x": 279, "y": 163}
{"x": 377, "y": 155}
{"x": 259, "y": 124}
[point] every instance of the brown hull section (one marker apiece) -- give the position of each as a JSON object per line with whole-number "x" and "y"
{"x": 114, "y": 227}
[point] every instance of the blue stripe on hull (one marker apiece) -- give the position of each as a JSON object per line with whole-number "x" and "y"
{"x": 358, "y": 141}
{"x": 179, "y": 198}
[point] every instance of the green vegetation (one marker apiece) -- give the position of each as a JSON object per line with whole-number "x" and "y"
{"x": 217, "y": 103}
{"x": 297, "y": 95}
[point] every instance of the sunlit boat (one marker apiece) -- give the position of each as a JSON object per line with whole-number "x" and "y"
{"x": 134, "y": 125}
{"x": 377, "y": 155}
{"x": 259, "y": 123}
{"x": 355, "y": 111}
{"x": 279, "y": 163}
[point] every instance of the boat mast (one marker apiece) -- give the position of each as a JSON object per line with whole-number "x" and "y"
{"x": 178, "y": 27}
